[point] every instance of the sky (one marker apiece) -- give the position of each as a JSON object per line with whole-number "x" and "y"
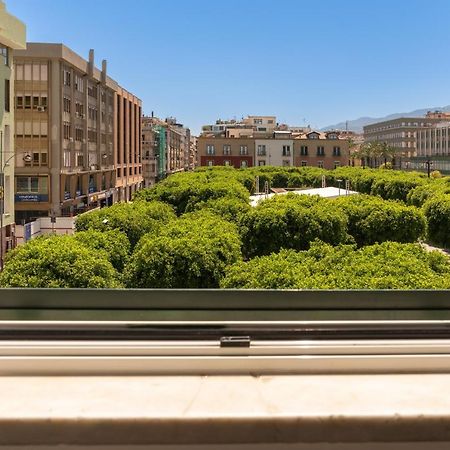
{"x": 315, "y": 62}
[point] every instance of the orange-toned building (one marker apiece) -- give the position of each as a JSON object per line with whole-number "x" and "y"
{"x": 326, "y": 150}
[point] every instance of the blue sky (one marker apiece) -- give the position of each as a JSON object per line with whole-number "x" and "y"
{"x": 317, "y": 62}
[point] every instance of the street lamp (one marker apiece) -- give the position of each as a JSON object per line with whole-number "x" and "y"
{"x": 339, "y": 184}
{"x": 27, "y": 158}
{"x": 428, "y": 163}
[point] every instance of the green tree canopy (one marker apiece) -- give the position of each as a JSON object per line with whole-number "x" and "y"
{"x": 134, "y": 219}
{"x": 58, "y": 262}
{"x": 191, "y": 252}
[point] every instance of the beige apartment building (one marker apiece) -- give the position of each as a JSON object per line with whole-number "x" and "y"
{"x": 79, "y": 132}
{"x": 12, "y": 38}
{"x": 327, "y": 150}
{"x": 277, "y": 150}
{"x": 127, "y": 145}
{"x": 401, "y": 133}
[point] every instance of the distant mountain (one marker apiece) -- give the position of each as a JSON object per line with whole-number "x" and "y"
{"x": 358, "y": 124}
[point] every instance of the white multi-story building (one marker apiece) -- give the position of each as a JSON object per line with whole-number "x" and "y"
{"x": 276, "y": 151}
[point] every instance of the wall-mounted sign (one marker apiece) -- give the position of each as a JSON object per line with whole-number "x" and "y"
{"x": 31, "y": 197}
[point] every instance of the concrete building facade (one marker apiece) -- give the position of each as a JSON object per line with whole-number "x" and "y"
{"x": 401, "y": 133}
{"x": 167, "y": 148}
{"x": 326, "y": 150}
{"x": 79, "y": 130}
{"x": 278, "y": 150}
{"x": 12, "y": 38}
{"x": 223, "y": 151}
{"x": 433, "y": 146}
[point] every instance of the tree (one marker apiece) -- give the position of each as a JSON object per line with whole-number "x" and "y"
{"x": 58, "y": 262}
{"x": 113, "y": 242}
{"x": 134, "y": 219}
{"x": 382, "y": 266}
{"x": 191, "y": 252}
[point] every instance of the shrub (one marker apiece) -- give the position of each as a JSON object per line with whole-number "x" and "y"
{"x": 436, "y": 174}
{"x": 437, "y": 212}
{"x": 58, "y": 262}
{"x": 419, "y": 195}
{"x": 291, "y": 221}
{"x": 228, "y": 208}
{"x": 183, "y": 191}
{"x": 115, "y": 243}
{"x": 191, "y": 252}
{"x": 389, "y": 265}
{"x": 134, "y": 219}
{"x": 372, "y": 220}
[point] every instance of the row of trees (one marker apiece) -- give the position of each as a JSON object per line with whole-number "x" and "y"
{"x": 191, "y": 229}
{"x": 389, "y": 265}
{"x": 374, "y": 154}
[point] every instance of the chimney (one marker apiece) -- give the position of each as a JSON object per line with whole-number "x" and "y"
{"x": 91, "y": 63}
{"x": 104, "y": 66}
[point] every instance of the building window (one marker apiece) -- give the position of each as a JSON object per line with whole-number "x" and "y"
{"x": 79, "y": 134}
{"x": 66, "y": 77}
{"x": 304, "y": 150}
{"x": 4, "y": 54}
{"x": 210, "y": 150}
{"x": 337, "y": 164}
{"x": 67, "y": 105}
{"x": 336, "y": 151}
{"x": 66, "y": 128}
{"x": 243, "y": 150}
{"x": 261, "y": 150}
{"x": 79, "y": 160}
{"x": 286, "y": 163}
{"x": 304, "y": 163}
{"x": 261, "y": 163}
{"x": 79, "y": 110}
{"x": 257, "y": 121}
{"x": 320, "y": 164}
{"x": 79, "y": 83}
{"x": 210, "y": 163}
{"x": 31, "y": 185}
{"x": 227, "y": 149}
{"x": 313, "y": 136}
{"x": 244, "y": 164}
{"x": 7, "y": 96}
{"x": 320, "y": 151}
{"x": 226, "y": 163}
{"x": 286, "y": 150}
{"x": 92, "y": 135}
{"x": 92, "y": 90}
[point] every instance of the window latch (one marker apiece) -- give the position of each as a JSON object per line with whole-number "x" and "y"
{"x": 235, "y": 341}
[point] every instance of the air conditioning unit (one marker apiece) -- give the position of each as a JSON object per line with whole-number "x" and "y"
{"x": 41, "y": 108}
{"x": 81, "y": 116}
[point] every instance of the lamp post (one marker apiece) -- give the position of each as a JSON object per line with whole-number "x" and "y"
{"x": 428, "y": 163}
{"x": 3, "y": 166}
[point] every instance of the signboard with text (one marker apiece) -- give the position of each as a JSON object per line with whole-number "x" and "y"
{"x": 31, "y": 198}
